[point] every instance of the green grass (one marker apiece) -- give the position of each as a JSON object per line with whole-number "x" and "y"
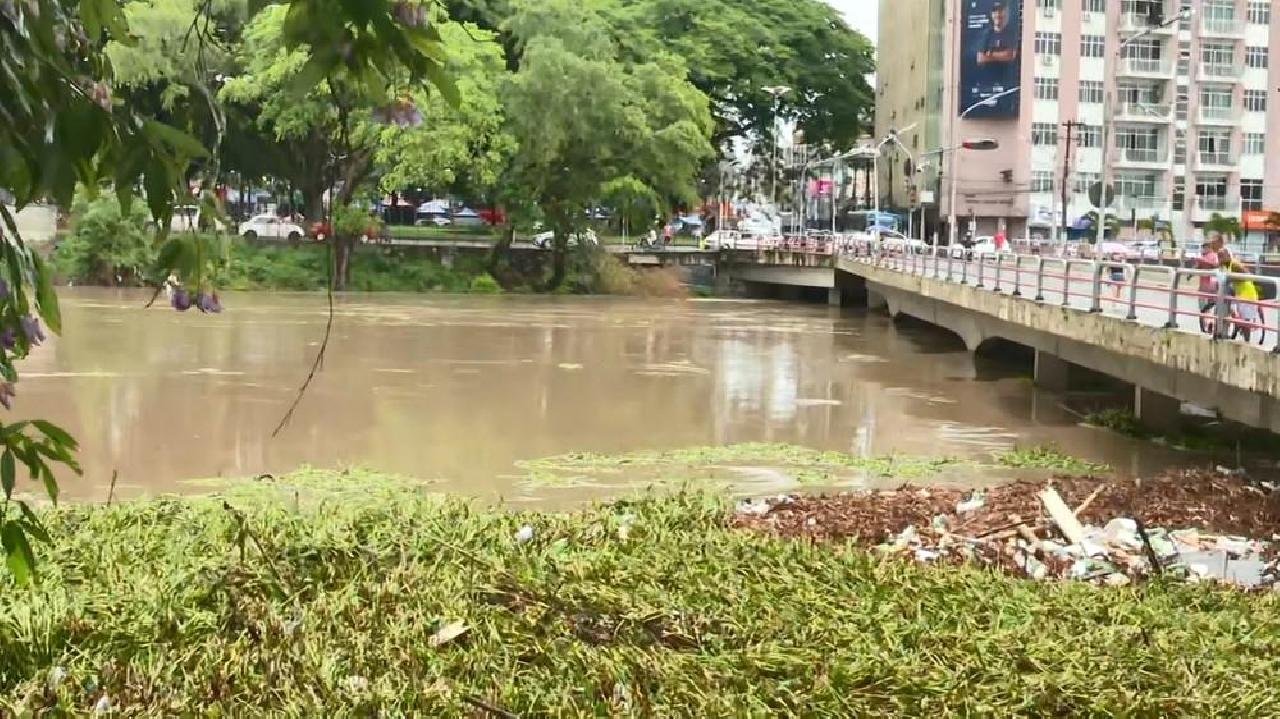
{"x": 324, "y": 601}
{"x": 1191, "y": 438}
{"x": 373, "y": 269}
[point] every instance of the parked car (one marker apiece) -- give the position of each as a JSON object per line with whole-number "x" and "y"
{"x": 433, "y": 219}
{"x": 467, "y": 217}
{"x": 543, "y": 240}
{"x": 272, "y": 228}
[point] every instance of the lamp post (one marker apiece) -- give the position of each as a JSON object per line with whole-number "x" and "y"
{"x": 891, "y": 138}
{"x": 1107, "y": 119}
{"x": 951, "y": 208}
{"x": 776, "y": 92}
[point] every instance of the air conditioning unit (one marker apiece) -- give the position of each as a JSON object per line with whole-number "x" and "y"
{"x": 1049, "y": 12}
{"x": 1048, "y": 60}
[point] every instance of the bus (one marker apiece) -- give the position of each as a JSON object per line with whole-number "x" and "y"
{"x": 869, "y": 221}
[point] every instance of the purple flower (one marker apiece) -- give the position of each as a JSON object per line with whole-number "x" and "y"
{"x": 7, "y": 393}
{"x": 9, "y": 338}
{"x": 181, "y": 300}
{"x": 31, "y": 328}
{"x": 208, "y": 303}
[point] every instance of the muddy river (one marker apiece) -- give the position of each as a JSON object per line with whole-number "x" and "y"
{"x": 460, "y": 389}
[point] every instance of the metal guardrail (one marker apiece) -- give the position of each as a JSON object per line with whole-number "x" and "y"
{"x": 1220, "y": 314}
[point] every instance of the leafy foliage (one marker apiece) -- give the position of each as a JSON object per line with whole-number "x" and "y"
{"x": 106, "y": 246}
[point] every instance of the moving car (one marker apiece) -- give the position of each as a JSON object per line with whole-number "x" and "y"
{"x": 272, "y": 228}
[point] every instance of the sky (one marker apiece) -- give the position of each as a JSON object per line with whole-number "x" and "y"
{"x": 861, "y": 14}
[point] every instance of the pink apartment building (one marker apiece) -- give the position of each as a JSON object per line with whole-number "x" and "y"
{"x": 1193, "y": 109}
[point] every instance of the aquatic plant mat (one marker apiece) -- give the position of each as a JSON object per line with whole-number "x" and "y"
{"x": 328, "y": 595}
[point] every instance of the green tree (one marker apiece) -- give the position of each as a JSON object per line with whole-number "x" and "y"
{"x": 583, "y": 117}
{"x": 1228, "y": 227}
{"x": 350, "y": 124}
{"x": 106, "y": 246}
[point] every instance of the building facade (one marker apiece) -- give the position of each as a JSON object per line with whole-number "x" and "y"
{"x": 1190, "y": 113}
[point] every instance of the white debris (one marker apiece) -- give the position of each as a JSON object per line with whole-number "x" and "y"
{"x": 525, "y": 534}
{"x": 976, "y": 501}
{"x": 103, "y": 705}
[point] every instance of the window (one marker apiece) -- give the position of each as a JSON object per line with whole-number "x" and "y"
{"x": 1044, "y": 133}
{"x": 1255, "y": 100}
{"x": 1138, "y": 186}
{"x": 1049, "y": 4}
{"x": 1048, "y": 43}
{"x": 1256, "y": 57}
{"x": 1255, "y": 143}
{"x": 1215, "y": 147}
{"x": 1218, "y": 53}
{"x": 1094, "y": 5}
{"x": 1046, "y": 88}
{"x": 1179, "y": 194}
{"x": 1090, "y": 135}
{"x": 1093, "y": 46}
{"x": 1042, "y": 181}
{"x": 1180, "y": 106}
{"x": 1251, "y": 194}
{"x": 1216, "y": 103}
{"x": 1184, "y": 21}
{"x": 1091, "y": 91}
{"x": 1141, "y": 145}
{"x": 1084, "y": 180}
{"x": 1260, "y": 12}
{"x": 1180, "y": 147}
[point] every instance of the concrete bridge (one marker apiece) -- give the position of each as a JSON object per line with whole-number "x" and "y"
{"x": 1144, "y": 329}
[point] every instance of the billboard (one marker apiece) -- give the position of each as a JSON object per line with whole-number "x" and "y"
{"x": 990, "y": 56}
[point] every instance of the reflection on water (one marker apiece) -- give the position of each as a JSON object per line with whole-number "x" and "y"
{"x": 458, "y": 389}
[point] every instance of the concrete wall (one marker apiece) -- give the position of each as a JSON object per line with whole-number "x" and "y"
{"x": 1238, "y": 380}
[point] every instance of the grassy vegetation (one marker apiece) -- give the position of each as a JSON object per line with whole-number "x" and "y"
{"x": 1047, "y": 457}
{"x": 373, "y": 269}
{"x": 1192, "y": 438}
{"x": 326, "y": 594}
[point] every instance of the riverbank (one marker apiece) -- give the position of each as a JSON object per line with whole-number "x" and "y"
{"x": 324, "y": 593}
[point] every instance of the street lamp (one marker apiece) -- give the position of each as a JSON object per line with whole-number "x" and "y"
{"x": 891, "y": 138}
{"x": 775, "y": 91}
{"x": 1107, "y": 119}
{"x": 977, "y": 145}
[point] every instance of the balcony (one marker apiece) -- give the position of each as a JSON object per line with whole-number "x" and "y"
{"x": 1219, "y": 116}
{"x": 1137, "y": 22}
{"x": 1217, "y": 161}
{"x": 1222, "y": 27}
{"x": 1142, "y": 204}
{"x": 1160, "y": 68}
{"x": 1220, "y": 72}
{"x": 1206, "y": 206}
{"x": 1144, "y": 112}
{"x": 1149, "y": 158}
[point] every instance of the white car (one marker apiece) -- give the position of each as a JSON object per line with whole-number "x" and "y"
{"x": 543, "y": 240}
{"x": 272, "y": 228}
{"x": 433, "y": 219}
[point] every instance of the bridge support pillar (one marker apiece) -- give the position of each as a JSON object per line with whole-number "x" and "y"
{"x": 1052, "y": 372}
{"x": 835, "y": 297}
{"x": 1156, "y": 411}
{"x": 876, "y": 301}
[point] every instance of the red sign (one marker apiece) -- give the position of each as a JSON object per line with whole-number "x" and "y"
{"x": 821, "y": 188}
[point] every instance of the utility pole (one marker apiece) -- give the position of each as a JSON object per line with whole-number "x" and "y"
{"x": 1071, "y": 125}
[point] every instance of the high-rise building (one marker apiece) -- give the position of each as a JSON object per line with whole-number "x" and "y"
{"x": 1189, "y": 106}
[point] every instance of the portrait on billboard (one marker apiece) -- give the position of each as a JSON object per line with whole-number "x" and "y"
{"x": 991, "y": 55}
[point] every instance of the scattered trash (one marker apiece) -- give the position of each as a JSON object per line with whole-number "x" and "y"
{"x": 446, "y": 634}
{"x": 525, "y": 534}
{"x": 1194, "y": 525}
{"x": 57, "y": 675}
{"x": 103, "y": 705}
{"x": 976, "y": 501}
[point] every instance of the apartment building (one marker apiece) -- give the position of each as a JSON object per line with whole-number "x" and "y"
{"x": 1189, "y": 106}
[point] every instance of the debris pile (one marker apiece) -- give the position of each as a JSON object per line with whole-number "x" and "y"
{"x": 1195, "y": 525}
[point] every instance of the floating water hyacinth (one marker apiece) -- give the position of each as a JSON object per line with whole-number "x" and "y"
{"x": 31, "y": 328}
{"x": 208, "y": 303}
{"x": 181, "y": 300}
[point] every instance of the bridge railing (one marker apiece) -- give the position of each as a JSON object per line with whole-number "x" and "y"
{"x": 1213, "y": 298}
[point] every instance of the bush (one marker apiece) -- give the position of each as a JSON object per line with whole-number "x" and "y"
{"x": 106, "y": 246}
{"x": 485, "y": 285}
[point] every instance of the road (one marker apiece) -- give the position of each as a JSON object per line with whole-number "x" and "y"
{"x": 1151, "y": 304}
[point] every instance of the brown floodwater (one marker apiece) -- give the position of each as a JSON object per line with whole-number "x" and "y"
{"x": 458, "y": 389}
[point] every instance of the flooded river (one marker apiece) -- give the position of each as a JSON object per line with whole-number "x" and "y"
{"x": 459, "y": 390}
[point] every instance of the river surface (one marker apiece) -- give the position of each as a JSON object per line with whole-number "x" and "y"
{"x": 458, "y": 389}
